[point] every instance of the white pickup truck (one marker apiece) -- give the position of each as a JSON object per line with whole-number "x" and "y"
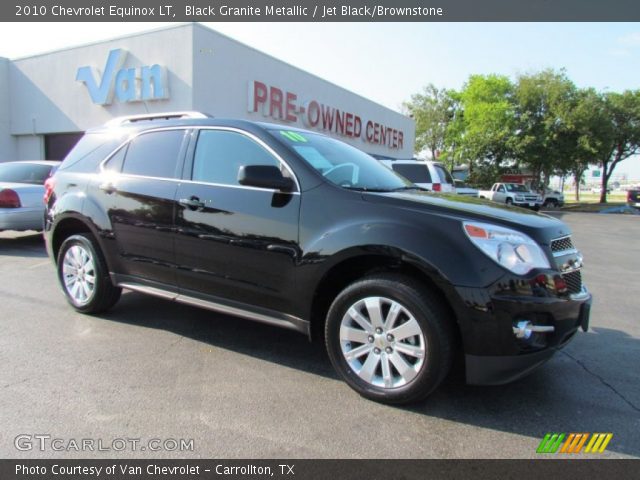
{"x": 512, "y": 194}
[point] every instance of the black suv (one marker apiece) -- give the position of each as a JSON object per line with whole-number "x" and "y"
{"x": 302, "y": 231}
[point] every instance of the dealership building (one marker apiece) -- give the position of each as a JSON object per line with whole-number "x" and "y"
{"x": 47, "y": 101}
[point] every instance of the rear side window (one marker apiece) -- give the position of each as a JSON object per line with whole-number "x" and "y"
{"x": 90, "y": 151}
{"x": 220, "y": 154}
{"x": 154, "y": 154}
{"x": 31, "y": 173}
{"x": 445, "y": 177}
{"x": 418, "y": 173}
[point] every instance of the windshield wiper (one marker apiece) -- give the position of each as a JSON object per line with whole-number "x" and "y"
{"x": 414, "y": 187}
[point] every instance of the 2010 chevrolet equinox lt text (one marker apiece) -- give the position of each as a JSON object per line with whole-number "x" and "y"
{"x": 302, "y": 231}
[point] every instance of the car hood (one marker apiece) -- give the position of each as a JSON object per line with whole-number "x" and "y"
{"x": 539, "y": 226}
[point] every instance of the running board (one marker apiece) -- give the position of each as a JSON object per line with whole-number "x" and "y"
{"x": 290, "y": 322}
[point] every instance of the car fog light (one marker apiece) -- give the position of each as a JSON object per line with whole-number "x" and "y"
{"x": 524, "y": 329}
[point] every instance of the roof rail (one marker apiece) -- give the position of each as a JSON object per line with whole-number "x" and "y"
{"x": 118, "y": 121}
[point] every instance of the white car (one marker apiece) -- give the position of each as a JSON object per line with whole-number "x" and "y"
{"x": 21, "y": 194}
{"x": 464, "y": 189}
{"x": 424, "y": 173}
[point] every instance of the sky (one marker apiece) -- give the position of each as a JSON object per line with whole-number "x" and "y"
{"x": 388, "y": 62}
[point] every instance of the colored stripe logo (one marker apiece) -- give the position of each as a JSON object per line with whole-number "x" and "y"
{"x": 573, "y": 443}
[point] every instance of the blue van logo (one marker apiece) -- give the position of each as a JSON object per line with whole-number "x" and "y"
{"x": 127, "y": 84}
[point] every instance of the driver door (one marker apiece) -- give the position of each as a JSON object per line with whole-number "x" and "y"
{"x": 233, "y": 241}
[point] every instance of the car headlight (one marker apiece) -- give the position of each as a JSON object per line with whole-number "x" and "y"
{"x": 511, "y": 249}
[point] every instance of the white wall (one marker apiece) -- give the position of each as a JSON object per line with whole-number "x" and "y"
{"x": 30, "y": 147}
{"x": 206, "y": 71}
{"x": 7, "y": 142}
{"x": 224, "y": 68}
{"x": 46, "y": 97}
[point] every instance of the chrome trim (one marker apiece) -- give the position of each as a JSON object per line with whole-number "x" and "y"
{"x": 562, "y": 253}
{"x": 291, "y": 322}
{"x": 524, "y": 328}
{"x": 201, "y": 127}
{"x": 581, "y": 295}
{"x": 152, "y": 116}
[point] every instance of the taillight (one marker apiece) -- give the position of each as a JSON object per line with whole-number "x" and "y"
{"x": 48, "y": 189}
{"x": 9, "y": 199}
{"x": 437, "y": 187}
{"x": 629, "y": 196}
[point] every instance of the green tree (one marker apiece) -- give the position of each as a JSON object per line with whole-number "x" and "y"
{"x": 432, "y": 110}
{"x": 589, "y": 130}
{"x": 623, "y": 111}
{"x": 484, "y": 125}
{"x": 544, "y": 102}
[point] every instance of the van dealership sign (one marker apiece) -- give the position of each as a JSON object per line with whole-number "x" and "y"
{"x": 133, "y": 84}
{"x": 286, "y": 106}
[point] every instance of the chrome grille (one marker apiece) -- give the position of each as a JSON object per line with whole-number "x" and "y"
{"x": 573, "y": 281}
{"x": 561, "y": 244}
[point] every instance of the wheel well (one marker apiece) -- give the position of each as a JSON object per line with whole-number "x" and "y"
{"x": 348, "y": 271}
{"x": 64, "y": 229}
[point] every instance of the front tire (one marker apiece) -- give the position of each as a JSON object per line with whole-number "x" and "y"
{"x": 83, "y": 275}
{"x": 389, "y": 338}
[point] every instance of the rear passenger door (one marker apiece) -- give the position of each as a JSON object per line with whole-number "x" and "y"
{"x": 235, "y": 242}
{"x": 141, "y": 180}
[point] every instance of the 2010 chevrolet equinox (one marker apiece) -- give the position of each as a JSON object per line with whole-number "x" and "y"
{"x": 302, "y": 231}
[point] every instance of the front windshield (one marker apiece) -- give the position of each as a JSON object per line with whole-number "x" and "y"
{"x": 513, "y": 187}
{"x": 342, "y": 164}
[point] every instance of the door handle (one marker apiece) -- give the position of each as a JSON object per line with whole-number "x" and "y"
{"x": 192, "y": 203}
{"x": 108, "y": 187}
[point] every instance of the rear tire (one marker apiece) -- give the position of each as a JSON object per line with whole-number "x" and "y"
{"x": 389, "y": 338}
{"x": 83, "y": 275}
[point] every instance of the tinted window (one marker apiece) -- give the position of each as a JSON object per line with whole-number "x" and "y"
{"x": 339, "y": 163}
{"x": 24, "y": 173}
{"x": 114, "y": 164}
{"x": 443, "y": 174}
{"x": 418, "y": 173}
{"x": 154, "y": 154}
{"x": 220, "y": 154}
{"x": 90, "y": 151}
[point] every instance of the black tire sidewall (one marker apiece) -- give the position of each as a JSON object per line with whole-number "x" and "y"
{"x": 99, "y": 291}
{"x": 434, "y": 368}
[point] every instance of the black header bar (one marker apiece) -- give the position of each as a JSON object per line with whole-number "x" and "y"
{"x": 320, "y": 10}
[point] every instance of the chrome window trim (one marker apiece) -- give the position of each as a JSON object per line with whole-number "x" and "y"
{"x": 198, "y": 128}
{"x": 259, "y": 142}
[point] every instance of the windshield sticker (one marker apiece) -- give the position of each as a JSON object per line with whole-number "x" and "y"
{"x": 293, "y": 136}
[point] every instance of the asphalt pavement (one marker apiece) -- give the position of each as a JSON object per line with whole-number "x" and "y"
{"x": 230, "y": 388}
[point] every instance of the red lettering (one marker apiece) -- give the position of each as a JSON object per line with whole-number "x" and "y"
{"x": 357, "y": 126}
{"x": 395, "y": 138}
{"x": 383, "y": 135}
{"x": 257, "y": 96}
{"x": 327, "y": 117}
{"x": 291, "y": 107}
{"x": 339, "y": 122}
{"x": 376, "y": 133}
{"x": 275, "y": 102}
{"x": 349, "y": 124}
{"x": 313, "y": 114}
{"x": 369, "y": 131}
{"x": 400, "y": 139}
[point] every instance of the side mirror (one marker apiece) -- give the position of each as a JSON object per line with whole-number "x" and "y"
{"x": 264, "y": 176}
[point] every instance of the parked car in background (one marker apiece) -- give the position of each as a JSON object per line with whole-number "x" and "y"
{"x": 512, "y": 194}
{"x": 424, "y": 173}
{"x": 552, "y": 198}
{"x": 464, "y": 189}
{"x": 598, "y": 189}
{"x": 21, "y": 192}
{"x": 633, "y": 197}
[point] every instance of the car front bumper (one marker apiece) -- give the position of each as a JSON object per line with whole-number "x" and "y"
{"x": 494, "y": 352}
